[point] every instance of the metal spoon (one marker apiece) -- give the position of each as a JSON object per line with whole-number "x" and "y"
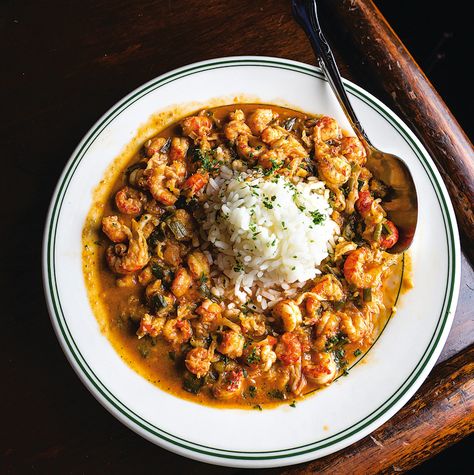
{"x": 401, "y": 202}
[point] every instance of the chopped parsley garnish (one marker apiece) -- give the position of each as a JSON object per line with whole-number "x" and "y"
{"x": 267, "y": 202}
{"x": 253, "y": 357}
{"x": 239, "y": 267}
{"x": 270, "y": 171}
{"x": 335, "y": 345}
{"x": 207, "y": 159}
{"x": 337, "y": 340}
{"x": 276, "y": 394}
{"x": 357, "y": 352}
{"x": 252, "y": 391}
{"x": 317, "y": 217}
{"x": 339, "y": 358}
{"x": 293, "y": 404}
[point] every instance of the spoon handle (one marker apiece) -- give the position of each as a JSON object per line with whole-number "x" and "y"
{"x": 306, "y": 13}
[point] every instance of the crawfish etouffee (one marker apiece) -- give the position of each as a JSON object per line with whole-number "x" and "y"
{"x": 241, "y": 257}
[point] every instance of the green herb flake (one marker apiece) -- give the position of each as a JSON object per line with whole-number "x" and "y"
{"x": 357, "y": 352}
{"x": 253, "y": 357}
{"x": 239, "y": 267}
{"x": 339, "y": 358}
{"x": 317, "y": 217}
{"x": 267, "y": 202}
{"x": 335, "y": 341}
{"x": 206, "y": 159}
{"x": 276, "y": 394}
{"x": 293, "y": 404}
{"x": 252, "y": 391}
{"x": 258, "y": 407}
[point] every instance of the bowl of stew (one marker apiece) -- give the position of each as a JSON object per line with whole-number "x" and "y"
{"x": 217, "y": 252}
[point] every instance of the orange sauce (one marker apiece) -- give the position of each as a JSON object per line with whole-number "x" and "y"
{"x": 112, "y": 304}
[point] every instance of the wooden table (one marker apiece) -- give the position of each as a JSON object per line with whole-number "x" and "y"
{"x": 64, "y": 64}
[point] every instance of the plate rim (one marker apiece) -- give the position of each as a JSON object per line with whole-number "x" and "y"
{"x": 243, "y": 458}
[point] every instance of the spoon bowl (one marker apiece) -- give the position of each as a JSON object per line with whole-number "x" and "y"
{"x": 401, "y": 202}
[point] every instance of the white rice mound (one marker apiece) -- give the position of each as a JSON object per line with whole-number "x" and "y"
{"x": 267, "y": 231}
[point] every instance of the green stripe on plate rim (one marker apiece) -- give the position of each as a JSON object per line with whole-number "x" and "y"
{"x": 86, "y": 373}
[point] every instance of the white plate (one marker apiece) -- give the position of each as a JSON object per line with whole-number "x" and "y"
{"x": 332, "y": 419}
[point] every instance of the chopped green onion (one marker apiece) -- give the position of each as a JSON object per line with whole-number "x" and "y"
{"x": 192, "y": 384}
{"x": 177, "y": 228}
{"x": 157, "y": 270}
{"x": 367, "y": 295}
{"x": 347, "y": 232}
{"x": 158, "y": 302}
{"x": 377, "y": 231}
{"x": 276, "y": 394}
{"x": 387, "y": 229}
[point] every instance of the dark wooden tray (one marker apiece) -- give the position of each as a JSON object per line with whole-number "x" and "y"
{"x": 64, "y": 64}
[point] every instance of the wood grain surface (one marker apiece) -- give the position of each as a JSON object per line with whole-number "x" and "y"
{"x": 64, "y": 63}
